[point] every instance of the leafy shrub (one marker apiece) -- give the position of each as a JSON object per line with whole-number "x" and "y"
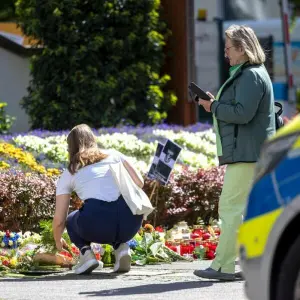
{"x": 100, "y": 63}
{"x": 26, "y": 199}
{"x": 188, "y": 196}
{"x": 6, "y": 121}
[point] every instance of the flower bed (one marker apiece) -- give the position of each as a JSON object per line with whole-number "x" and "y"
{"x": 22, "y": 253}
{"x": 25, "y": 160}
{"x": 50, "y": 149}
{"x": 31, "y": 162}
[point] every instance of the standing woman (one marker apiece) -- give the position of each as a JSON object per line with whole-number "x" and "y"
{"x": 244, "y": 117}
{"x": 105, "y": 217}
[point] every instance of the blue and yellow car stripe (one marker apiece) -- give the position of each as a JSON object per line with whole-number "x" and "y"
{"x": 253, "y": 234}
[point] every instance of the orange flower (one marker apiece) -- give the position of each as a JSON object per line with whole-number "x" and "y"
{"x": 149, "y": 228}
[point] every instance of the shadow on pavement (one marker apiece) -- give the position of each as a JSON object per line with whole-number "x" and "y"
{"x": 150, "y": 289}
{"x": 70, "y": 276}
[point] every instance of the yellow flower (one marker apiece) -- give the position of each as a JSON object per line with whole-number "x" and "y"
{"x": 13, "y": 262}
{"x": 10, "y": 243}
{"x": 4, "y": 165}
{"x": 2, "y": 245}
{"x": 51, "y": 172}
{"x": 25, "y": 158}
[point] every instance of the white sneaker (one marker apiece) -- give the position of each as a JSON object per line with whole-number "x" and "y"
{"x": 101, "y": 265}
{"x": 123, "y": 259}
{"x": 87, "y": 263}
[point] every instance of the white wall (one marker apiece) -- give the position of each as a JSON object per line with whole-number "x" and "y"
{"x": 14, "y": 80}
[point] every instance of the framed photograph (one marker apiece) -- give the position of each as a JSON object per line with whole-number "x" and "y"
{"x": 152, "y": 171}
{"x": 166, "y": 162}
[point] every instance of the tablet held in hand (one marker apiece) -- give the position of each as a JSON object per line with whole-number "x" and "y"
{"x": 196, "y": 90}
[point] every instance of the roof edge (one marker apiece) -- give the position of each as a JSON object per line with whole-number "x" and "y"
{"x": 17, "y": 48}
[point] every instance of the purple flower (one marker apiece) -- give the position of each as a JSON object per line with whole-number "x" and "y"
{"x": 139, "y": 130}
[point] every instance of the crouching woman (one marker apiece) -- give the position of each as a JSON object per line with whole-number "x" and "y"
{"x": 104, "y": 217}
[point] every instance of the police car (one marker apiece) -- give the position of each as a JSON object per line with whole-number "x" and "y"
{"x": 269, "y": 238}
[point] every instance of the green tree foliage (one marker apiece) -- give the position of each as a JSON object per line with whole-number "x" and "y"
{"x": 295, "y": 12}
{"x": 295, "y": 2}
{"x": 100, "y": 62}
{"x": 6, "y": 121}
{"x": 7, "y": 10}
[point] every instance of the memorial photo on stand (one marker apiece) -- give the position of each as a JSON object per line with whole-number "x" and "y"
{"x": 167, "y": 160}
{"x": 152, "y": 171}
{"x": 163, "y": 172}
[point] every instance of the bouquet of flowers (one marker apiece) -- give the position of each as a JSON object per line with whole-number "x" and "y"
{"x": 10, "y": 240}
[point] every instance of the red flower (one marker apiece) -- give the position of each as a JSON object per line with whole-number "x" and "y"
{"x": 7, "y": 233}
{"x": 195, "y": 235}
{"x": 217, "y": 231}
{"x": 206, "y": 236}
{"x": 75, "y": 250}
{"x": 98, "y": 256}
{"x": 65, "y": 253}
{"x": 174, "y": 248}
{"x": 212, "y": 247}
{"x": 5, "y": 262}
{"x": 159, "y": 229}
{"x": 210, "y": 254}
{"x": 198, "y": 231}
{"x": 206, "y": 245}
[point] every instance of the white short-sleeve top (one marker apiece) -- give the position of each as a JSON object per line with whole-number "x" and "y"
{"x": 93, "y": 181}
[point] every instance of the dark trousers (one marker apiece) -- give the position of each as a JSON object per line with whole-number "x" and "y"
{"x": 103, "y": 222}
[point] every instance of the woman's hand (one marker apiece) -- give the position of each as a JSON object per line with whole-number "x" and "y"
{"x": 60, "y": 244}
{"x": 207, "y": 103}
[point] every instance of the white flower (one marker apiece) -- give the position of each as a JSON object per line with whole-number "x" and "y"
{"x": 198, "y": 149}
{"x": 2, "y": 245}
{"x": 27, "y": 234}
{"x": 10, "y": 243}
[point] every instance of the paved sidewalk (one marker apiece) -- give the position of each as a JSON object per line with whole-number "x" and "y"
{"x": 159, "y": 282}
